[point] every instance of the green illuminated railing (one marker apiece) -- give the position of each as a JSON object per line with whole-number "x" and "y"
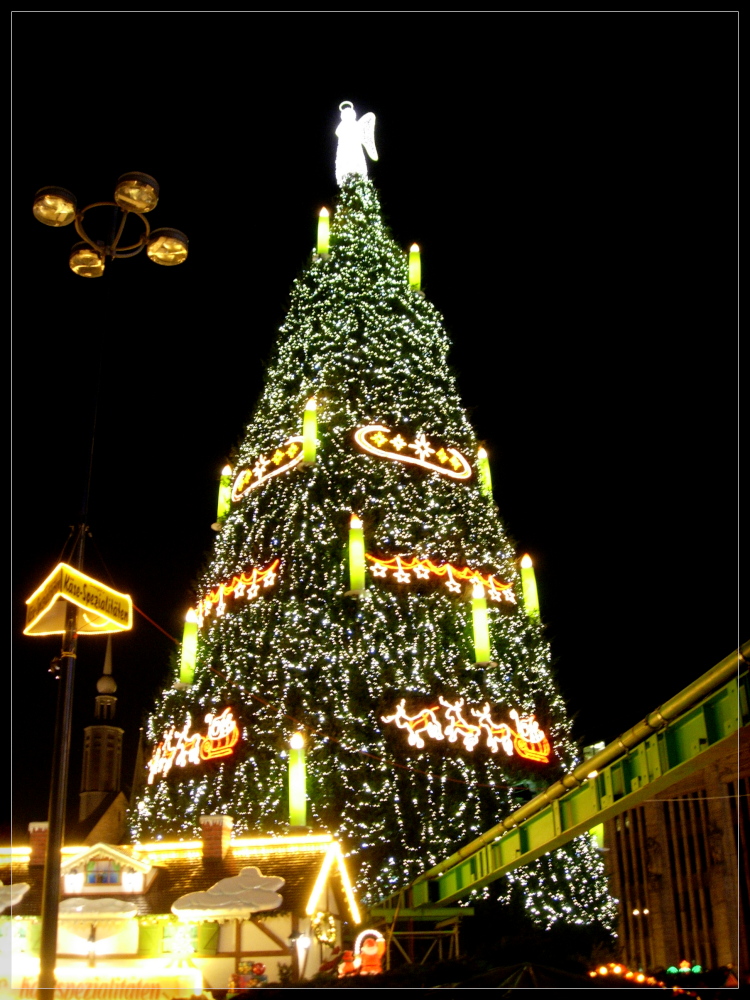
{"x": 672, "y": 742}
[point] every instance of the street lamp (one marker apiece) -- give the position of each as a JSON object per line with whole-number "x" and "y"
{"x": 70, "y": 604}
{"x": 135, "y": 195}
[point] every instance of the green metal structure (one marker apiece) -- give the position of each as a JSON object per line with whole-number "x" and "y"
{"x": 675, "y": 740}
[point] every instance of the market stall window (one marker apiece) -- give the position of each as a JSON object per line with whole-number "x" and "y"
{"x": 103, "y": 871}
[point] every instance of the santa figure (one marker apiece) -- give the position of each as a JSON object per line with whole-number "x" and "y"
{"x": 371, "y": 951}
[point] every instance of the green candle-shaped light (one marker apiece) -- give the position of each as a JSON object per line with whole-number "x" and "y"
{"x": 297, "y": 781}
{"x": 189, "y": 648}
{"x": 415, "y": 267}
{"x": 485, "y": 476}
{"x": 310, "y": 432}
{"x": 225, "y": 493}
{"x": 323, "y": 231}
{"x": 481, "y": 626}
{"x": 528, "y": 582}
{"x": 356, "y": 555}
{"x": 597, "y": 836}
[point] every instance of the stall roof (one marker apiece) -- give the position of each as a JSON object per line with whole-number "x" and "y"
{"x": 306, "y": 864}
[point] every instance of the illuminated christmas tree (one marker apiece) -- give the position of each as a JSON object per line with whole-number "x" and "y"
{"x": 360, "y": 587}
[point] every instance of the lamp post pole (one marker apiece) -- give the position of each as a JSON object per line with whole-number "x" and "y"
{"x": 102, "y": 610}
{"x": 135, "y": 194}
{"x": 58, "y": 791}
{"x": 57, "y": 799}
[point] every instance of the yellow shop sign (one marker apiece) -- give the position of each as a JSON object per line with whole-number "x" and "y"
{"x": 101, "y": 609}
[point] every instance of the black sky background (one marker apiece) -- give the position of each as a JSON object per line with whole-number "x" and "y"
{"x": 571, "y": 179}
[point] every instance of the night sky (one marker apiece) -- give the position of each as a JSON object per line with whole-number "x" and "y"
{"x": 572, "y": 182}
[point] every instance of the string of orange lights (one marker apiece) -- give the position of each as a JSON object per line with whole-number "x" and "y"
{"x": 247, "y": 584}
{"x": 401, "y": 567}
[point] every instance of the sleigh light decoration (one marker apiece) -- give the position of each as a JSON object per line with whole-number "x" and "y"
{"x": 527, "y": 739}
{"x": 181, "y": 747}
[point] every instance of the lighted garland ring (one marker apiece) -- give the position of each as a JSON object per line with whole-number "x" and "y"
{"x": 247, "y": 584}
{"x": 377, "y": 439}
{"x": 401, "y": 568}
{"x": 284, "y": 458}
{"x": 528, "y": 740}
{"x": 323, "y": 927}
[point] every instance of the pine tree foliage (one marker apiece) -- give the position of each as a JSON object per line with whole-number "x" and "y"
{"x": 304, "y": 654}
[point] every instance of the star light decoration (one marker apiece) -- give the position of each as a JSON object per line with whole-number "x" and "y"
{"x": 247, "y": 585}
{"x": 282, "y": 459}
{"x": 374, "y": 438}
{"x": 401, "y": 568}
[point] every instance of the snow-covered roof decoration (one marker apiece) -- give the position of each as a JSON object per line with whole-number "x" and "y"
{"x": 12, "y": 894}
{"x": 231, "y": 898}
{"x": 93, "y": 909}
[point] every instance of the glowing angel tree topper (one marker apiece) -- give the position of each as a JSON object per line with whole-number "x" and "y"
{"x": 353, "y": 134}
{"x": 310, "y": 618}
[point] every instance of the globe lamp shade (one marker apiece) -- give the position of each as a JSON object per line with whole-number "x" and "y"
{"x": 86, "y": 261}
{"x": 54, "y": 206}
{"x": 167, "y": 246}
{"x": 137, "y": 192}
